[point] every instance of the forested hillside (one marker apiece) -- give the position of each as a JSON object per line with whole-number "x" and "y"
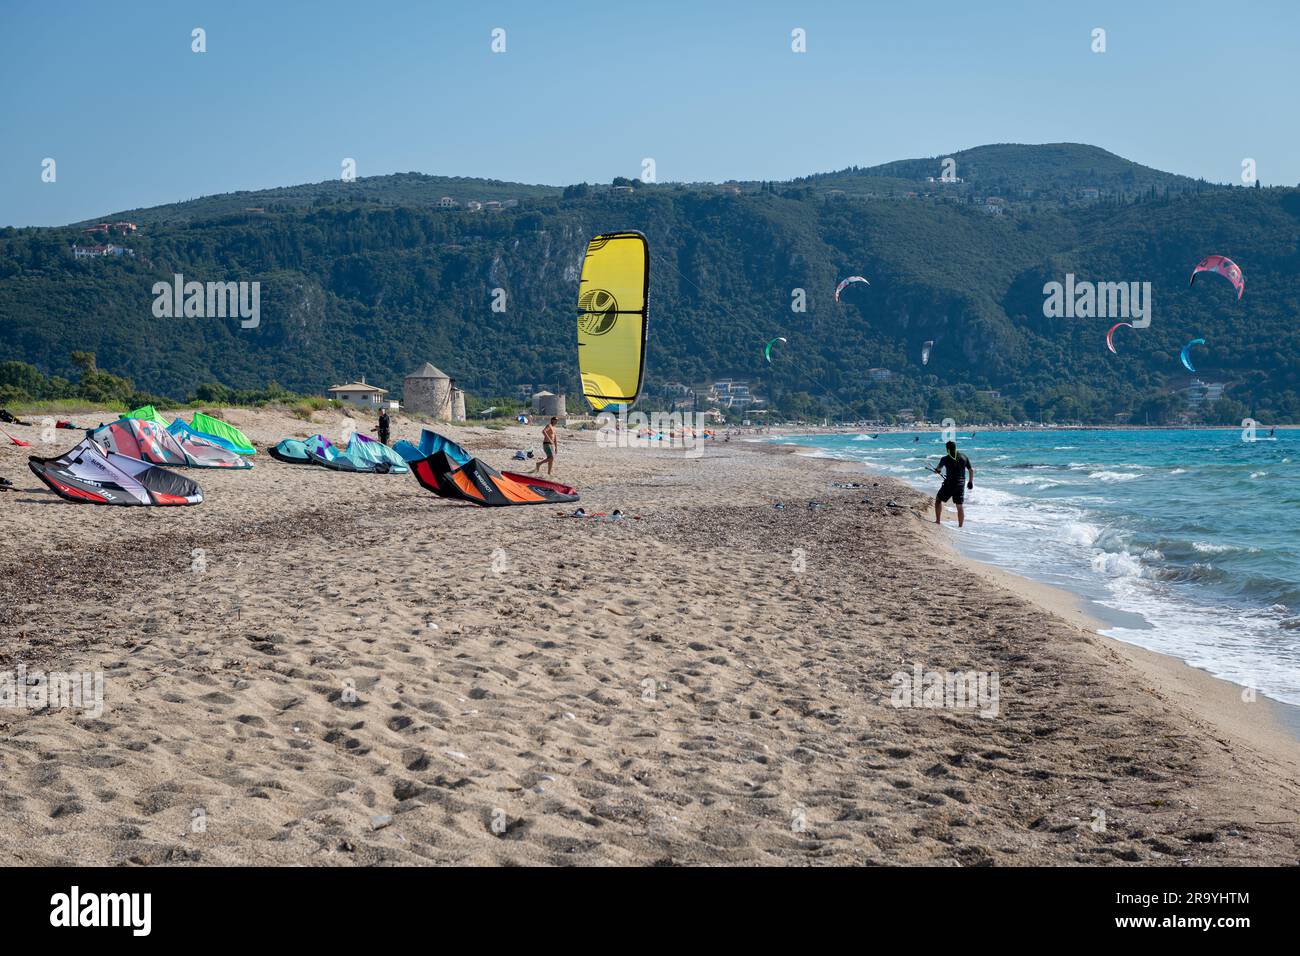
{"x": 372, "y": 278}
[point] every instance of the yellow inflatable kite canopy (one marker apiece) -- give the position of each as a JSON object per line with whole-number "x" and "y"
{"x": 613, "y": 302}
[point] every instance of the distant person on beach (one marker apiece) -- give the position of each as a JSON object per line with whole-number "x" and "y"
{"x": 954, "y": 467}
{"x": 550, "y": 443}
{"x": 383, "y": 426}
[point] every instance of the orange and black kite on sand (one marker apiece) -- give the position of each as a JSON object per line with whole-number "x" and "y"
{"x": 483, "y": 485}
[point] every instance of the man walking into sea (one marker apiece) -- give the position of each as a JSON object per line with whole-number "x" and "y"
{"x": 550, "y": 443}
{"x": 954, "y": 467}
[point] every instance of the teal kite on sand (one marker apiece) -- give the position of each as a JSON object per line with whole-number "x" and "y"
{"x": 431, "y": 443}
{"x": 362, "y": 454}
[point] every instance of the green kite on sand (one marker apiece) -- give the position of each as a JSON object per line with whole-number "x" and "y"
{"x": 235, "y": 439}
{"x": 148, "y": 413}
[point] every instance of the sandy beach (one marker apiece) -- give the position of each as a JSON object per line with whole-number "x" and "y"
{"x": 319, "y": 668}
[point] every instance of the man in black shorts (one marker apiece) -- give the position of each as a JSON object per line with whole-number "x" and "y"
{"x": 954, "y": 467}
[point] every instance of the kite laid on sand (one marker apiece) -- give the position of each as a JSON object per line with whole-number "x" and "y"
{"x": 155, "y": 443}
{"x": 87, "y": 474}
{"x": 480, "y": 484}
{"x": 362, "y": 454}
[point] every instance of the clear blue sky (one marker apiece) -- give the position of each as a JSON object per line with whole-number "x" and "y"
{"x": 710, "y": 90}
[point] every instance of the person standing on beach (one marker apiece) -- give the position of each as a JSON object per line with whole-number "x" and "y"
{"x": 383, "y": 426}
{"x": 550, "y": 444}
{"x": 954, "y": 467}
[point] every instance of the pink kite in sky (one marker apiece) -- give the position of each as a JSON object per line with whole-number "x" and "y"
{"x": 1224, "y": 267}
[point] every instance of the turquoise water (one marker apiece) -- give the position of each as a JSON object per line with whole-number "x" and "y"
{"x": 1185, "y": 542}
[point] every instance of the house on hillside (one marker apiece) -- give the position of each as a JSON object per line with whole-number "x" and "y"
{"x": 96, "y": 251}
{"x": 358, "y": 393}
{"x": 446, "y": 202}
{"x": 1200, "y": 394}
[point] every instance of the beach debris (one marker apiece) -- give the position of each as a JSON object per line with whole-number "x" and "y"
{"x": 380, "y": 821}
{"x": 456, "y": 754}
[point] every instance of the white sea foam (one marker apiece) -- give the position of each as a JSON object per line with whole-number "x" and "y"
{"x": 1205, "y": 548}
{"x": 1080, "y": 533}
{"x": 1117, "y": 564}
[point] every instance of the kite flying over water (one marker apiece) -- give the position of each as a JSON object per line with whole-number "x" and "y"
{"x": 767, "y": 352}
{"x": 840, "y": 288}
{"x": 1110, "y": 341}
{"x": 1186, "y": 353}
{"x": 1224, "y": 267}
{"x": 925, "y": 352}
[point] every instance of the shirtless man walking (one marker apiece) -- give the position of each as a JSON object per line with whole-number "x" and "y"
{"x": 550, "y": 444}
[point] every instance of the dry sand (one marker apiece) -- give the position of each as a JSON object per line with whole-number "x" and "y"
{"x": 321, "y": 668}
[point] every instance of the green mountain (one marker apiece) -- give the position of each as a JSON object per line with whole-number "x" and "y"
{"x": 372, "y": 278}
{"x": 1054, "y": 171}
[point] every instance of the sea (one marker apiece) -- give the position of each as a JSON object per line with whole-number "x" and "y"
{"x": 1185, "y": 542}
